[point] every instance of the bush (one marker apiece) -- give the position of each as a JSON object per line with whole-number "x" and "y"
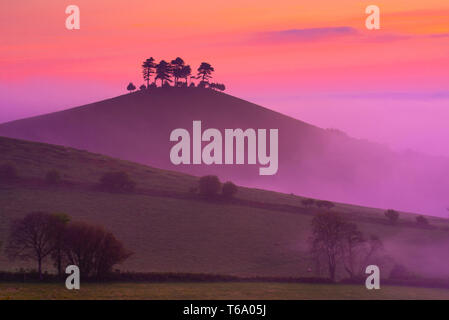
{"x": 8, "y": 172}
{"x": 308, "y": 202}
{"x": 325, "y": 204}
{"x": 131, "y": 87}
{"x": 209, "y": 186}
{"x": 422, "y": 221}
{"x": 53, "y": 177}
{"x": 229, "y": 190}
{"x": 191, "y": 85}
{"x": 143, "y": 87}
{"x": 94, "y": 250}
{"x": 392, "y": 215}
{"x": 117, "y": 181}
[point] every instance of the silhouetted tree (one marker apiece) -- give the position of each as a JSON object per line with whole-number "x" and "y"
{"x": 209, "y": 186}
{"x": 143, "y": 87}
{"x": 422, "y": 221}
{"x": 131, "y": 87}
{"x": 176, "y": 68}
{"x": 148, "y": 68}
{"x": 217, "y": 86}
{"x": 94, "y": 250}
{"x": 53, "y": 177}
{"x": 33, "y": 238}
{"x": 352, "y": 244}
{"x": 392, "y": 215}
{"x": 328, "y": 232}
{"x": 163, "y": 72}
{"x": 117, "y": 181}
{"x": 229, "y": 189}
{"x": 203, "y": 84}
{"x": 204, "y": 72}
{"x": 186, "y": 71}
{"x": 308, "y": 202}
{"x": 324, "y": 204}
{"x": 8, "y": 172}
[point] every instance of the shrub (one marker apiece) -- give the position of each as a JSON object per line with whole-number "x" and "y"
{"x": 94, "y": 250}
{"x": 131, "y": 87}
{"x": 209, "y": 186}
{"x": 308, "y": 202}
{"x": 53, "y": 177}
{"x": 229, "y": 190}
{"x": 392, "y": 215}
{"x": 325, "y": 204}
{"x": 203, "y": 84}
{"x": 117, "y": 181}
{"x": 422, "y": 221}
{"x": 32, "y": 237}
{"x": 142, "y": 87}
{"x": 191, "y": 85}
{"x": 8, "y": 172}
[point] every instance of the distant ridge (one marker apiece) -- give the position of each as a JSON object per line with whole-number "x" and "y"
{"x": 312, "y": 161}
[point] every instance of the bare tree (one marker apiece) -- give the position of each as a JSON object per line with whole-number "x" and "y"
{"x": 131, "y": 87}
{"x": 328, "y": 231}
{"x": 148, "y": 68}
{"x": 60, "y": 223}
{"x": 205, "y": 72}
{"x": 32, "y": 238}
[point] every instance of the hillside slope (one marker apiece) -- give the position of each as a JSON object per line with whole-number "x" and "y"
{"x": 312, "y": 161}
{"x": 174, "y": 231}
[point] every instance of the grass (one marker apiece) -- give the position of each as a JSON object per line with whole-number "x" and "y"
{"x": 215, "y": 291}
{"x": 169, "y": 234}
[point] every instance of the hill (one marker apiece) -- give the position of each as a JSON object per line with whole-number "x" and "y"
{"x": 261, "y": 233}
{"x": 312, "y": 161}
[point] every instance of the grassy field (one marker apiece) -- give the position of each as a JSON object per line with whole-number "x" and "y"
{"x": 214, "y": 291}
{"x": 172, "y": 234}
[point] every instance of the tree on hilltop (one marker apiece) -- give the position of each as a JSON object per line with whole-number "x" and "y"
{"x": 217, "y": 86}
{"x": 205, "y": 72}
{"x": 392, "y": 215}
{"x": 176, "y": 68}
{"x": 32, "y": 237}
{"x": 131, "y": 87}
{"x": 163, "y": 72}
{"x": 148, "y": 68}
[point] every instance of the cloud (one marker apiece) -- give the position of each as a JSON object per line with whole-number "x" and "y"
{"x": 301, "y": 35}
{"x": 394, "y": 95}
{"x": 325, "y": 33}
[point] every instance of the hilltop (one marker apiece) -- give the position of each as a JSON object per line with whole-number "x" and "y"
{"x": 313, "y": 162}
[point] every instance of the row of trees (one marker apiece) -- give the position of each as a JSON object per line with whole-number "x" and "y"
{"x": 393, "y": 217}
{"x": 210, "y": 187}
{"x": 177, "y": 72}
{"x": 40, "y": 236}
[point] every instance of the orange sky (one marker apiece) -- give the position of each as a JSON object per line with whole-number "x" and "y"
{"x": 328, "y": 51}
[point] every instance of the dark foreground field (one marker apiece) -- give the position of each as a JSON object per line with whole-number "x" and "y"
{"x": 214, "y": 291}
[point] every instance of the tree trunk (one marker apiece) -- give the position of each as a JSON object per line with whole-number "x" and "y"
{"x": 332, "y": 272}
{"x": 39, "y": 262}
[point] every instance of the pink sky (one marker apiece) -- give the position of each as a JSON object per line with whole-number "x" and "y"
{"x": 314, "y": 61}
